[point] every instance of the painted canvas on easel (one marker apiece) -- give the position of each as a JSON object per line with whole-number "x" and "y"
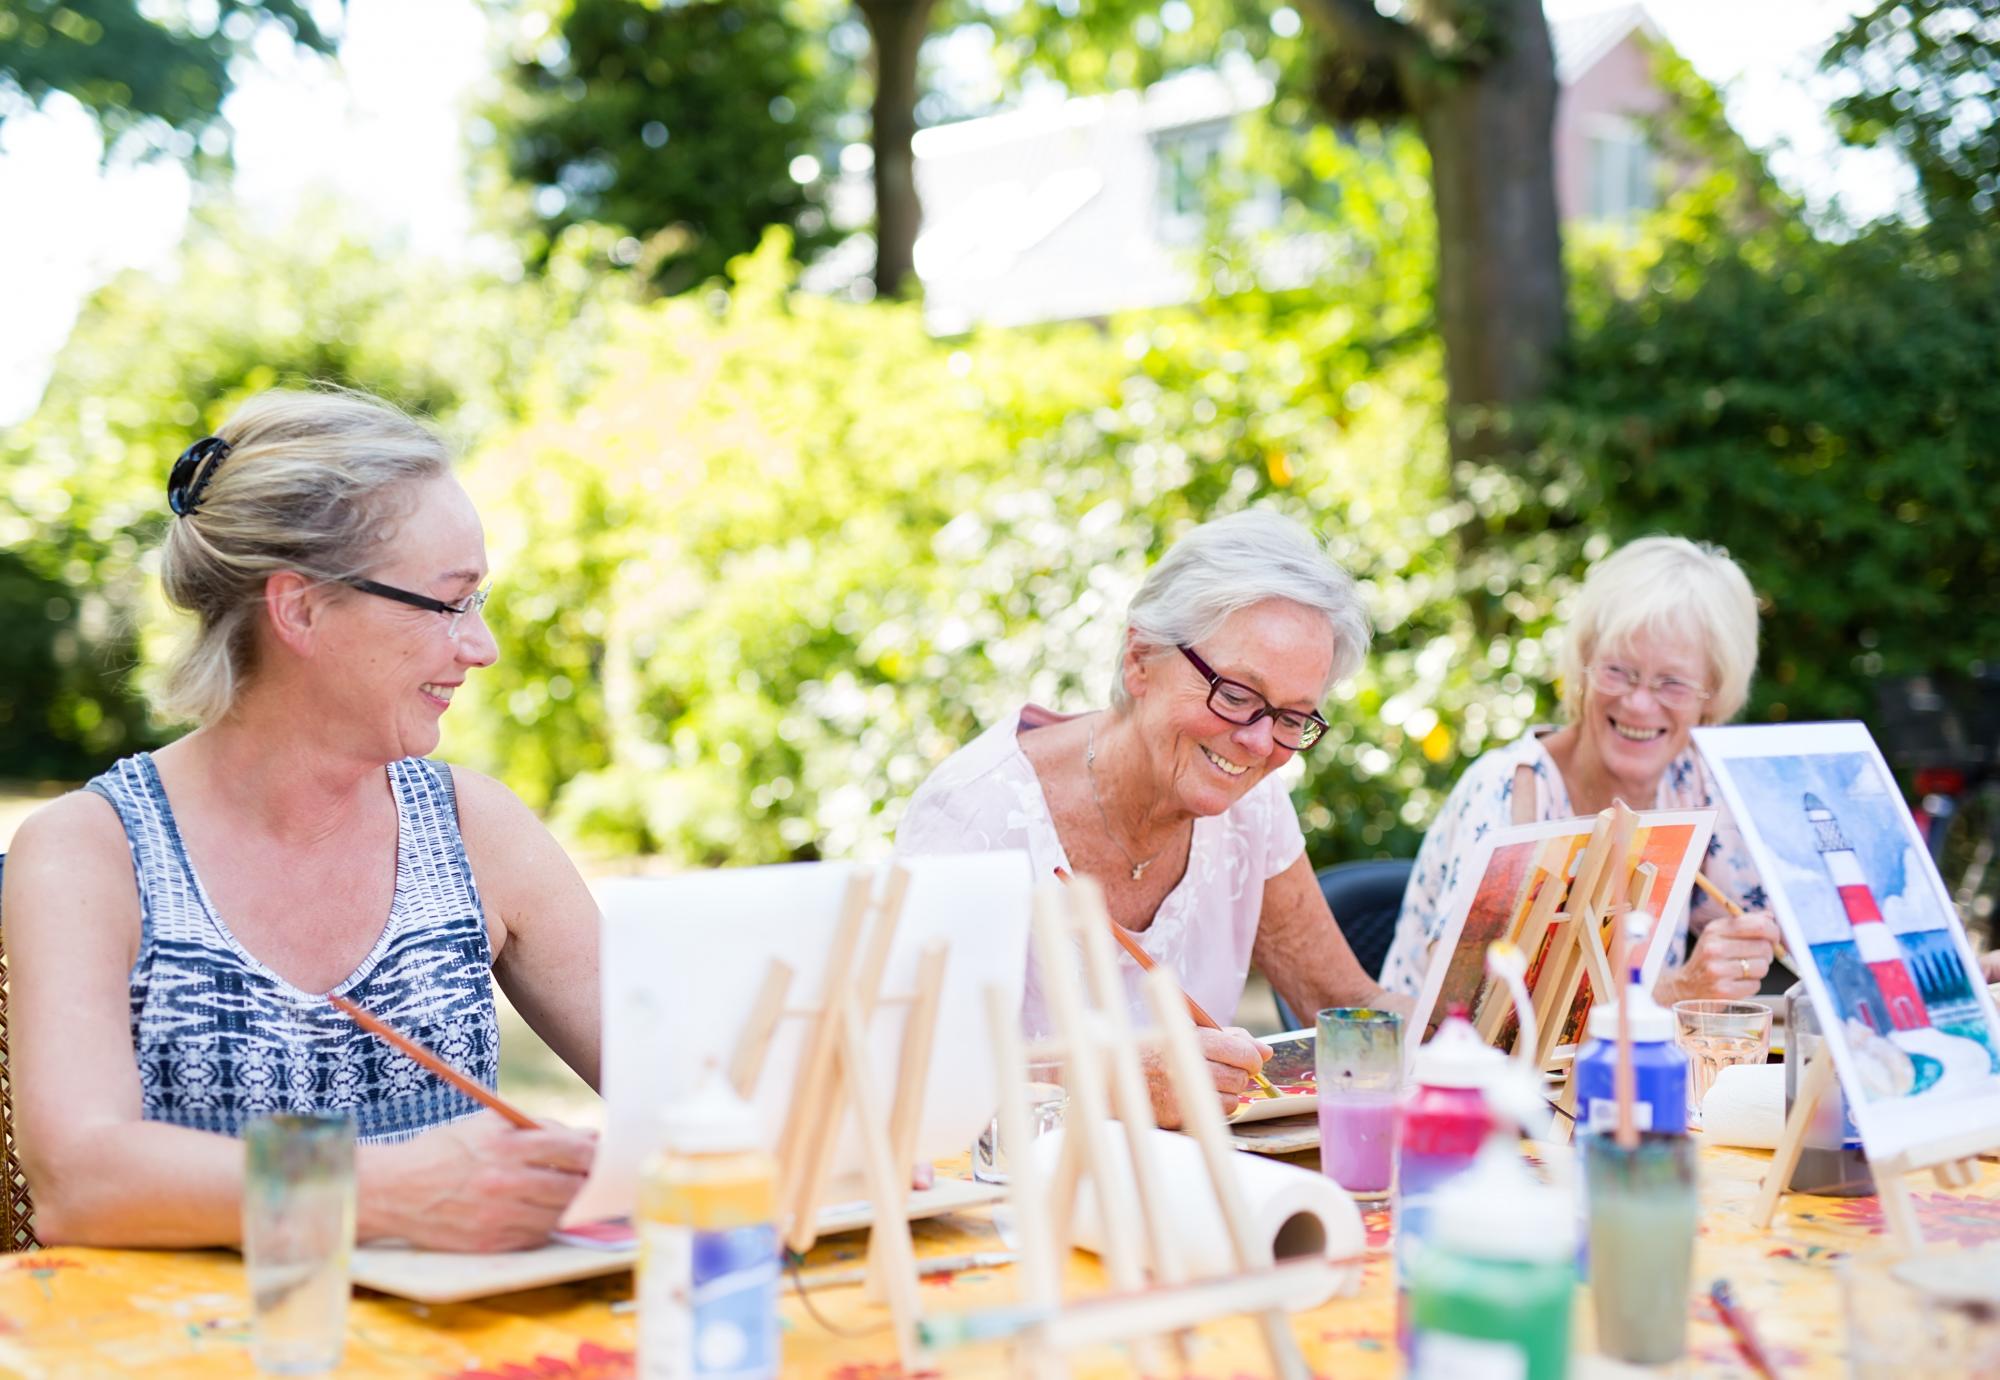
{"x": 1511, "y": 899}
{"x": 1895, "y": 983}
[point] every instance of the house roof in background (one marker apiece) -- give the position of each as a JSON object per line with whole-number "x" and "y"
{"x": 1582, "y": 41}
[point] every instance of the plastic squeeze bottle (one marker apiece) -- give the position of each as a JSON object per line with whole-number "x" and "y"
{"x": 1659, "y": 1066}
{"x": 708, "y": 1244}
{"x": 1443, "y": 1118}
{"x": 1490, "y": 1293}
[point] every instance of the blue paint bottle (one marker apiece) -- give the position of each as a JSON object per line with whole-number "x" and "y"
{"x": 1660, "y": 1068}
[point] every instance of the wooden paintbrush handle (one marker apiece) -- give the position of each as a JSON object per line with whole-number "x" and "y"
{"x": 476, "y": 1091}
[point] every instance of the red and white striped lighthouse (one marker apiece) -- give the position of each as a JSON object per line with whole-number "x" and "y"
{"x": 1878, "y": 948}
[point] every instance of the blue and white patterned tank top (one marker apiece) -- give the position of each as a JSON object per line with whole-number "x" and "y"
{"x": 222, "y": 1039}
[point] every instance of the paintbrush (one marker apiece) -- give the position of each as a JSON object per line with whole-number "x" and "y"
{"x": 1625, "y": 1078}
{"x": 1145, "y": 962}
{"x": 417, "y": 1053}
{"x": 1728, "y": 903}
{"x": 1738, "y": 1323}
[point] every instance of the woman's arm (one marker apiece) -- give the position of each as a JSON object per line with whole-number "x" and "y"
{"x": 97, "y": 1172}
{"x": 101, "y": 1175}
{"x": 545, "y": 922}
{"x": 1301, "y": 949}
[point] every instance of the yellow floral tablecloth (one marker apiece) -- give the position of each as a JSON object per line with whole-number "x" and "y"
{"x": 70, "y": 1314}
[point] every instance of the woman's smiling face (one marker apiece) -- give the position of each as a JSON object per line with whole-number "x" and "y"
{"x": 1280, "y": 649}
{"x": 1633, "y": 735}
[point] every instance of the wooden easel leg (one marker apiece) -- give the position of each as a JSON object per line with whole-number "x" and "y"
{"x": 818, "y": 1150}
{"x": 912, "y": 1076}
{"x": 890, "y": 1232}
{"x": 755, "y": 1042}
{"x": 813, "y": 1100}
{"x": 1818, "y": 1078}
{"x": 1088, "y": 1127}
{"x": 1194, "y": 1090}
{"x": 1899, "y": 1210}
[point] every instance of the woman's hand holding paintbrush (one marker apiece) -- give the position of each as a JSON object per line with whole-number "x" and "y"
{"x": 1230, "y": 1050}
{"x": 495, "y": 1181}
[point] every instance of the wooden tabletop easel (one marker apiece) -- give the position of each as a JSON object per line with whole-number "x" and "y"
{"x": 1953, "y": 1162}
{"x": 835, "y": 1079}
{"x": 1153, "y": 1304}
{"x": 1561, "y": 925}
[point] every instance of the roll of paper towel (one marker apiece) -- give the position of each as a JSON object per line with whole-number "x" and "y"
{"x": 1745, "y": 1106}
{"x": 1294, "y": 1213}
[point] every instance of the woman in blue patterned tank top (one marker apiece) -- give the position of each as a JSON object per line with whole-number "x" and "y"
{"x": 177, "y": 927}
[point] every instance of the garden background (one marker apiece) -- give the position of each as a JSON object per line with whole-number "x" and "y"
{"x": 766, "y": 552}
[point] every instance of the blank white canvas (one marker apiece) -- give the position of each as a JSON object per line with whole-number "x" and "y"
{"x": 684, "y": 958}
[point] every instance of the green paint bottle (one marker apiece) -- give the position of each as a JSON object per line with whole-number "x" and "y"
{"x": 1490, "y": 1294}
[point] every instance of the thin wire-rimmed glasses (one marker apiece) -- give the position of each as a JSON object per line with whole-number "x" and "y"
{"x": 1617, "y": 680}
{"x": 1236, "y": 703}
{"x": 454, "y": 613}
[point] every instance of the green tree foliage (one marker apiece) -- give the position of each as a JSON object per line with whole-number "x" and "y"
{"x": 134, "y": 69}
{"x": 676, "y": 124}
{"x": 152, "y": 365}
{"x": 790, "y": 553}
{"x": 1926, "y": 81}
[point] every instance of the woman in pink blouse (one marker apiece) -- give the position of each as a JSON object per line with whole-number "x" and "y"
{"x": 1169, "y": 798}
{"x": 1663, "y": 637}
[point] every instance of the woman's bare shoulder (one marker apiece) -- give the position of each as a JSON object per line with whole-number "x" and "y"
{"x": 71, "y": 850}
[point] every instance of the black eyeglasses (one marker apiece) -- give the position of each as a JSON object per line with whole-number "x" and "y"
{"x": 471, "y": 603}
{"x": 1238, "y": 704}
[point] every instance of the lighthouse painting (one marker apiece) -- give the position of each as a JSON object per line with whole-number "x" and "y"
{"x": 1915, "y": 1036}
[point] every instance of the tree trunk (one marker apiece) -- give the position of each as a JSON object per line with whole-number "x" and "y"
{"x": 1479, "y": 78}
{"x": 896, "y": 29}
{"x": 1500, "y": 298}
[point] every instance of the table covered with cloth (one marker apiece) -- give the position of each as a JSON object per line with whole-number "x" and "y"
{"x": 74, "y": 1313}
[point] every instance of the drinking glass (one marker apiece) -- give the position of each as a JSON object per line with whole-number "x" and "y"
{"x": 298, "y": 1235}
{"x": 1358, "y": 1055}
{"x": 1642, "y": 1210}
{"x": 1048, "y": 1099}
{"x": 1831, "y": 1160}
{"x": 1715, "y": 1035}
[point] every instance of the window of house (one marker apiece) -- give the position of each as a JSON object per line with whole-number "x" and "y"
{"x": 1623, "y": 173}
{"x": 1188, "y": 159}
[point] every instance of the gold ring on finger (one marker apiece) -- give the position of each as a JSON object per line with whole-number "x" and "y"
{"x": 1744, "y": 964}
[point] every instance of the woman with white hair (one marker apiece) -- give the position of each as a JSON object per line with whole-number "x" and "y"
{"x": 1664, "y": 637}
{"x": 177, "y": 927}
{"x": 1169, "y": 797}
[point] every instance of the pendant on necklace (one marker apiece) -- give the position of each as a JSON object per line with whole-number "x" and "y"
{"x": 1138, "y": 868}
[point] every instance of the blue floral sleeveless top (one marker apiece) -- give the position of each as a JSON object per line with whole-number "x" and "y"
{"x": 221, "y": 1038}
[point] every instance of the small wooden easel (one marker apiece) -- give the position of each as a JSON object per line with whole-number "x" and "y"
{"x": 1153, "y": 1305}
{"x": 835, "y": 1078}
{"x": 1570, "y": 913}
{"x": 1953, "y": 1162}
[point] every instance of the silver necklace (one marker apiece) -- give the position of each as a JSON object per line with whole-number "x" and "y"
{"x": 1090, "y": 770}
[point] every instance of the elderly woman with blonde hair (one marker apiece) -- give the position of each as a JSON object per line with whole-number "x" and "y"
{"x": 1170, "y": 797}
{"x": 1663, "y": 638}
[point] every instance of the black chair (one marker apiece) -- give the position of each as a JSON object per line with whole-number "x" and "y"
{"x": 1365, "y": 897}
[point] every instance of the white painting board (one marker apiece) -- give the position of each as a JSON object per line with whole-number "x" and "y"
{"x": 1894, "y": 982}
{"x": 1490, "y": 895}
{"x": 684, "y": 957}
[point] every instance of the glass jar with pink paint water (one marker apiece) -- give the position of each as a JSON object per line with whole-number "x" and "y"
{"x": 1359, "y": 1060}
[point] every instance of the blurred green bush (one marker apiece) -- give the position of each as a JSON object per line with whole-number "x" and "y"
{"x": 763, "y": 559}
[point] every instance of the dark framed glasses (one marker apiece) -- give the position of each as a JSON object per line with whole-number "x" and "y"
{"x": 1236, "y": 703}
{"x": 455, "y": 613}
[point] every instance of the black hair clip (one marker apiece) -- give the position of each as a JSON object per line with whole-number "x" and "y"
{"x": 184, "y": 484}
